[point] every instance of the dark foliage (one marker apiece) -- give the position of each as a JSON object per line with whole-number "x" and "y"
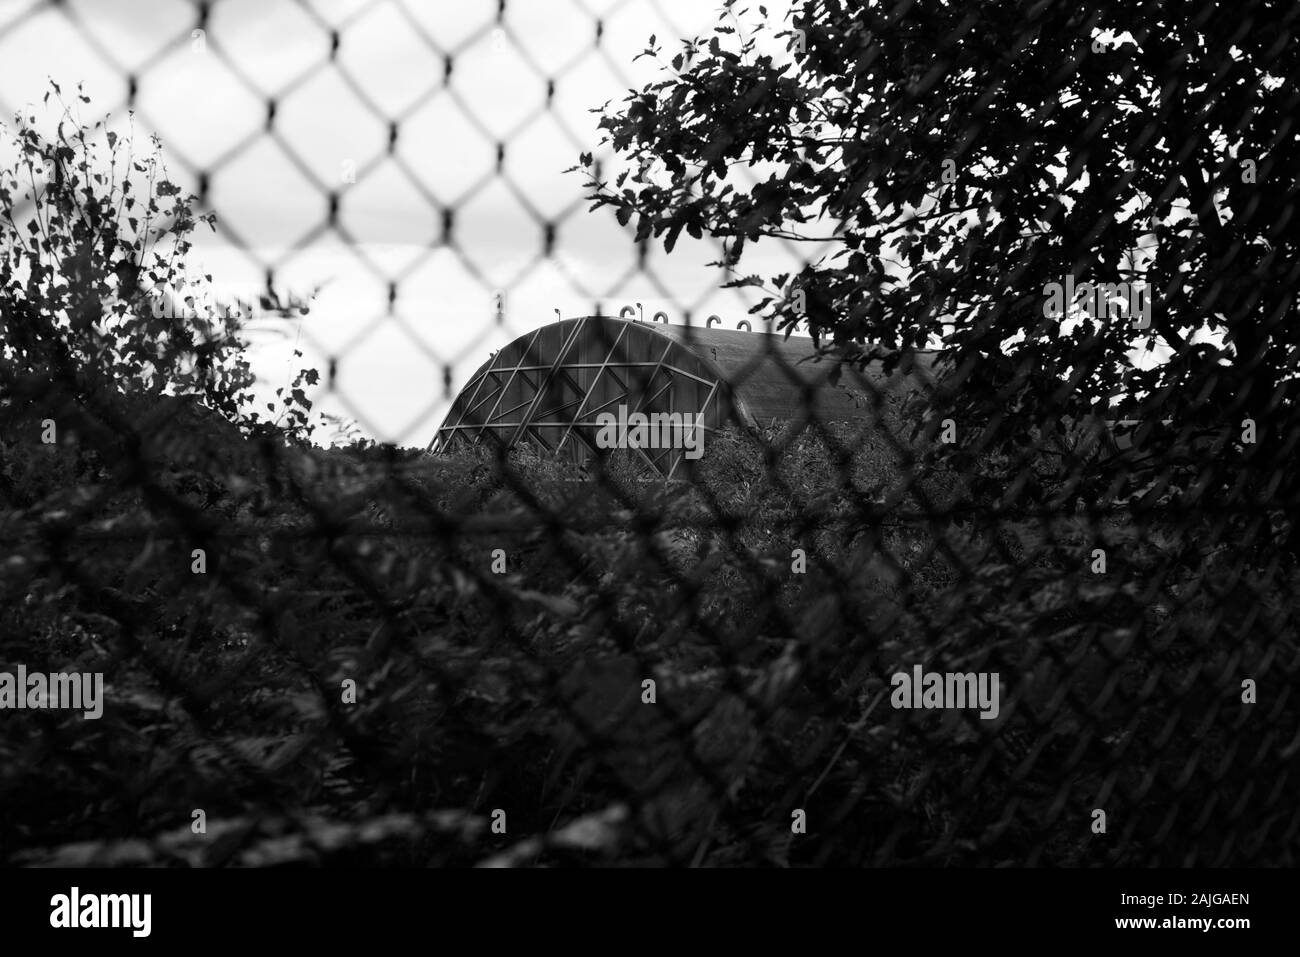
{"x": 322, "y": 651}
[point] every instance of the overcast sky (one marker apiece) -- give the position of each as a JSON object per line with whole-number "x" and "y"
{"x": 207, "y": 97}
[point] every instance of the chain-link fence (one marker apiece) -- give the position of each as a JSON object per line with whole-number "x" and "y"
{"x": 396, "y": 167}
{"x": 852, "y": 635}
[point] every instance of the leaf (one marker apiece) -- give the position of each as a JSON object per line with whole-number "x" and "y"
{"x": 670, "y": 240}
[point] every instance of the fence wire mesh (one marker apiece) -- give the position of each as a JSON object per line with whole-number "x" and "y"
{"x": 884, "y": 636}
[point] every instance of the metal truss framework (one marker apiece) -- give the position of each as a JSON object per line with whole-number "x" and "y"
{"x": 530, "y": 396}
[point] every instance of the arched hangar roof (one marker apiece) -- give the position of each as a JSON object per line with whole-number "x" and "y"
{"x": 549, "y": 385}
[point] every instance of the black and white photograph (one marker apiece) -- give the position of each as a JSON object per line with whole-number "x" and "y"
{"x": 447, "y": 435}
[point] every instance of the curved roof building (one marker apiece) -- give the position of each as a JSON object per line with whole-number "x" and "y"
{"x": 563, "y": 386}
